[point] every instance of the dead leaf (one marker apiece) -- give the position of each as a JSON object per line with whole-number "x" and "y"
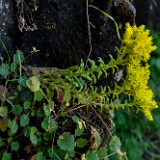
{"x": 34, "y": 157}
{"x": 3, "y": 92}
{"x": 28, "y": 148}
{"x": 3, "y": 125}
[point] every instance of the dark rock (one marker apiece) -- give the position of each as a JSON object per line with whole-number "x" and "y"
{"x": 148, "y": 11}
{"x": 7, "y": 25}
{"x": 62, "y": 35}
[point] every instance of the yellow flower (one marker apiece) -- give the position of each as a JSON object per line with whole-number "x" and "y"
{"x": 148, "y": 113}
{"x": 137, "y": 45}
{"x": 137, "y": 42}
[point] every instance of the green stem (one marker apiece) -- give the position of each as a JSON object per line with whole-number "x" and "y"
{"x": 5, "y": 49}
{"x": 20, "y": 67}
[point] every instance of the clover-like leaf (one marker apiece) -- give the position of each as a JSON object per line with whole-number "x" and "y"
{"x": 33, "y": 138}
{"x": 24, "y": 120}
{"x": 81, "y": 142}
{"x": 18, "y": 57}
{"x": 16, "y": 109}
{"x": 49, "y": 124}
{"x": 66, "y": 142}
{"x": 47, "y": 136}
{"x": 15, "y": 146}
{"x": 27, "y": 104}
{"x": 33, "y": 83}
{"x": 40, "y": 156}
{"x": 115, "y": 144}
{"x": 6, "y": 156}
{"x": 13, "y": 126}
{"x": 91, "y": 155}
{"x": 47, "y": 110}
{"x": 4, "y": 70}
{"x": 22, "y": 81}
{"x": 38, "y": 95}
{"x": 102, "y": 153}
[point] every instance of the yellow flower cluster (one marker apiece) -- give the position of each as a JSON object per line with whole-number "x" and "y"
{"x": 137, "y": 45}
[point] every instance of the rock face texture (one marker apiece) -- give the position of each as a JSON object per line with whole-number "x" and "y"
{"x": 55, "y": 32}
{"x": 61, "y": 37}
{"x": 148, "y": 11}
{"x": 7, "y": 25}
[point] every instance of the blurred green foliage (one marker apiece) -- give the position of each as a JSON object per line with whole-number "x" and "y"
{"x": 140, "y": 137}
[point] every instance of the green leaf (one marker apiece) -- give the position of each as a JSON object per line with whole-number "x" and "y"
{"x": 80, "y": 128}
{"x": 27, "y": 131}
{"x": 110, "y": 17}
{"x": 67, "y": 95}
{"x": 115, "y": 144}
{"x": 87, "y": 77}
{"x": 6, "y": 156}
{"x": 24, "y": 120}
{"x": 18, "y": 57}
{"x": 33, "y": 83}
{"x": 13, "y": 67}
{"x": 81, "y": 142}
{"x": 4, "y": 70}
{"x": 33, "y": 138}
{"x": 47, "y": 136}
{"x": 47, "y": 110}
{"x": 75, "y": 119}
{"x": 16, "y": 109}
{"x": 10, "y": 139}
{"x": 99, "y": 74}
{"x": 3, "y": 111}
{"x": 15, "y": 146}
{"x": 33, "y": 130}
{"x": 38, "y": 95}
{"x": 22, "y": 81}
{"x": 27, "y": 105}
{"x": 13, "y": 126}
{"x": 49, "y": 124}
{"x": 79, "y": 131}
{"x": 91, "y": 155}
{"x": 40, "y": 156}
{"x": 1, "y": 142}
{"x": 66, "y": 142}
{"x": 56, "y": 153}
{"x": 102, "y": 153}
{"x": 40, "y": 112}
